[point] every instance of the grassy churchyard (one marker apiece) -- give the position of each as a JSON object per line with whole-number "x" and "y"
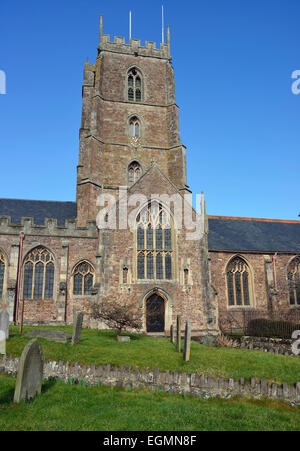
{"x": 62, "y": 406}
{"x": 101, "y": 347}
{"x": 69, "y": 407}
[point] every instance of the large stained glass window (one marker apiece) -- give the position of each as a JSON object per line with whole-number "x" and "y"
{"x": 238, "y": 283}
{"x": 294, "y": 281}
{"x": 154, "y": 243}
{"x": 38, "y": 279}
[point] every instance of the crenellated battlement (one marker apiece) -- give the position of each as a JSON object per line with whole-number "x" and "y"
{"x": 134, "y": 47}
{"x": 118, "y": 45}
{"x": 50, "y": 228}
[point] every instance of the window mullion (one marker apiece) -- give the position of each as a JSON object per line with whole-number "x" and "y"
{"x": 33, "y": 281}
{"x": 44, "y": 282}
{"x": 234, "y": 288}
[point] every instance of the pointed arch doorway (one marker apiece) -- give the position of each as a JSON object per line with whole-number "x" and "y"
{"x": 155, "y": 313}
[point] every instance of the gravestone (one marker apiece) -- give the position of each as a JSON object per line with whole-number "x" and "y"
{"x": 4, "y": 322}
{"x": 172, "y": 336}
{"x": 77, "y": 326}
{"x": 30, "y": 372}
{"x": 187, "y": 342}
{"x": 178, "y": 332}
{"x": 2, "y": 342}
{"x": 51, "y": 335}
{"x": 123, "y": 339}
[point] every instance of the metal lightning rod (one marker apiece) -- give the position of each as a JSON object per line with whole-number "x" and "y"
{"x": 162, "y": 22}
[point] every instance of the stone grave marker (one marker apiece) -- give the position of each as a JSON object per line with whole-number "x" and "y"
{"x": 172, "y": 335}
{"x": 4, "y": 322}
{"x": 30, "y": 372}
{"x": 123, "y": 339}
{"x": 187, "y": 342}
{"x": 50, "y": 335}
{"x": 178, "y": 332}
{"x": 77, "y": 326}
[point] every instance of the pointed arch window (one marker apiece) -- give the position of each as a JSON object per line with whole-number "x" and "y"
{"x": 134, "y": 127}
{"x": 238, "y": 283}
{"x": 38, "y": 274}
{"x": 293, "y": 275}
{"x": 83, "y": 279}
{"x": 134, "y": 173}
{"x": 2, "y": 273}
{"x": 154, "y": 244}
{"x": 134, "y": 82}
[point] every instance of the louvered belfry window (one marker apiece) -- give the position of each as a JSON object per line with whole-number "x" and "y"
{"x": 154, "y": 244}
{"x": 238, "y": 283}
{"x": 134, "y": 82}
{"x": 38, "y": 274}
{"x": 294, "y": 281}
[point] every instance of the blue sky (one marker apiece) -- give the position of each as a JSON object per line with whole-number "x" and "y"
{"x": 233, "y": 62}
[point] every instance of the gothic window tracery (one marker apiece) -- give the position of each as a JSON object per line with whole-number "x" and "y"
{"x": 134, "y": 173}
{"x": 293, "y": 275}
{"x": 38, "y": 274}
{"x": 83, "y": 279}
{"x": 154, "y": 243}
{"x": 134, "y": 127}
{"x": 238, "y": 283}
{"x": 2, "y": 272}
{"x": 134, "y": 82}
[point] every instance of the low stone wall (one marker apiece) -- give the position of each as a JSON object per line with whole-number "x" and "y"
{"x": 172, "y": 382}
{"x": 273, "y": 345}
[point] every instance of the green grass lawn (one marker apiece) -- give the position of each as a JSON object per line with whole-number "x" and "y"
{"x": 101, "y": 347}
{"x": 69, "y": 407}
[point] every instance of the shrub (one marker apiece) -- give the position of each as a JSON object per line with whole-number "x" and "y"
{"x": 225, "y": 342}
{"x": 262, "y": 327}
{"x": 118, "y": 314}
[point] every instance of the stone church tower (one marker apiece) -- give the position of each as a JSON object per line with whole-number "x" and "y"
{"x": 130, "y": 138}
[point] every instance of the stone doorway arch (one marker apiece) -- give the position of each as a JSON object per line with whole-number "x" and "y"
{"x": 155, "y": 313}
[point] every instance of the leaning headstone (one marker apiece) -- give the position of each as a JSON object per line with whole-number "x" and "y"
{"x": 172, "y": 336}
{"x": 4, "y": 322}
{"x": 77, "y": 328}
{"x": 30, "y": 372}
{"x": 178, "y": 332}
{"x": 187, "y": 342}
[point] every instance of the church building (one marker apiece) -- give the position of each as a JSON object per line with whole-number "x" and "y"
{"x": 132, "y": 235}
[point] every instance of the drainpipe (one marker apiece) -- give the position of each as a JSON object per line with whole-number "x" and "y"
{"x": 22, "y": 236}
{"x": 274, "y": 259}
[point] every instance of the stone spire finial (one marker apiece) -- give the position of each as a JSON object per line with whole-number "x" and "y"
{"x": 168, "y": 36}
{"x": 203, "y": 213}
{"x": 101, "y": 27}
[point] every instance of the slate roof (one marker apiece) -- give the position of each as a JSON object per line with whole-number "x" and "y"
{"x": 253, "y": 235}
{"x": 234, "y": 234}
{"x": 37, "y": 209}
